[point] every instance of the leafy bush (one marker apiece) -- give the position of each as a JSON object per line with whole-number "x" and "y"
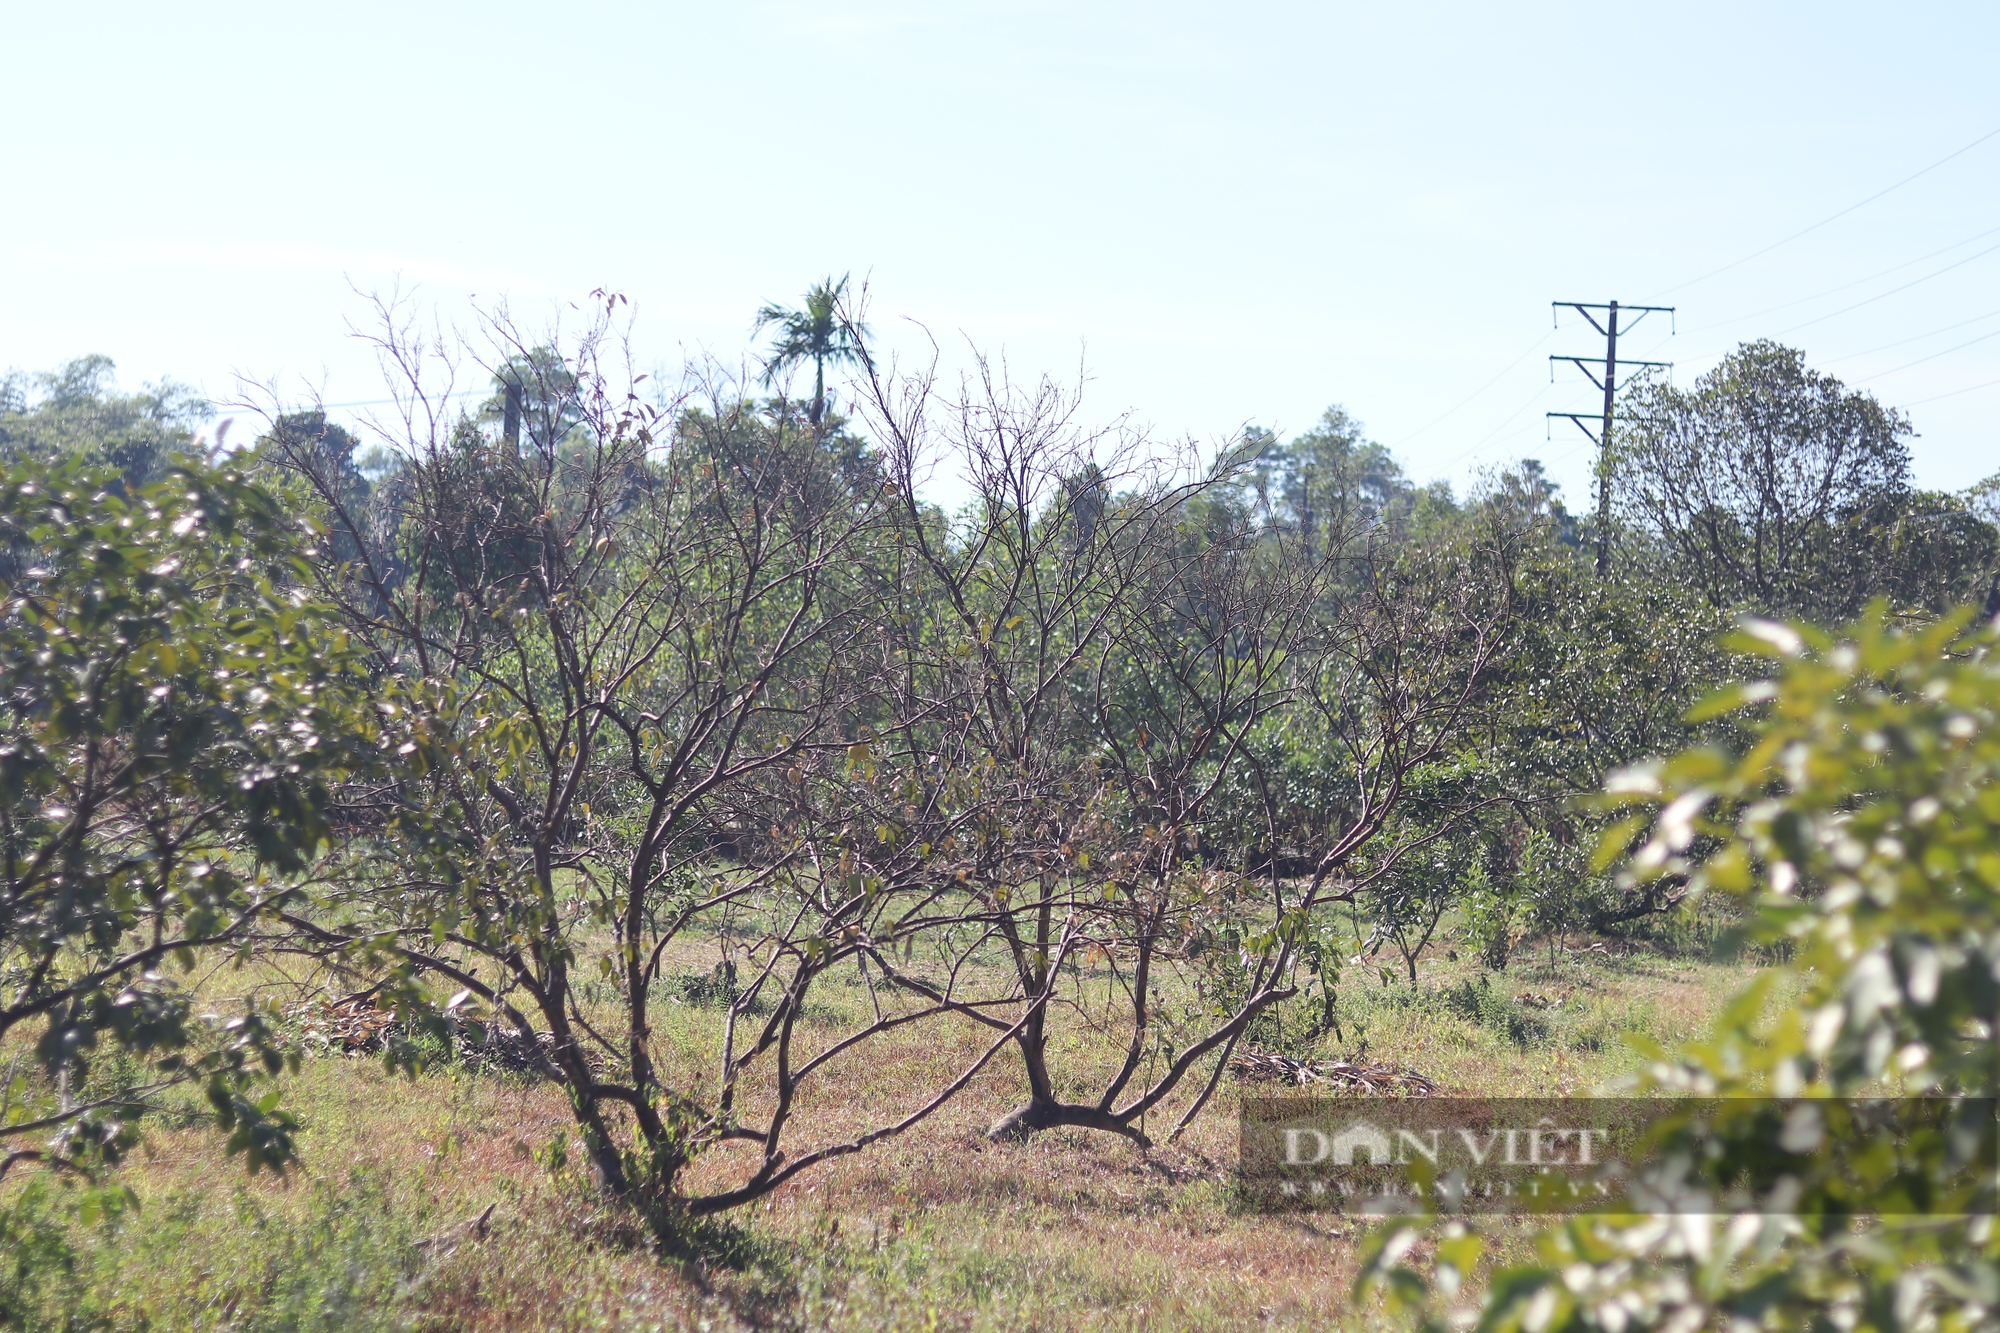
{"x": 42, "y": 1274}
{"x": 1476, "y": 1001}
{"x": 1863, "y": 825}
{"x": 176, "y": 718}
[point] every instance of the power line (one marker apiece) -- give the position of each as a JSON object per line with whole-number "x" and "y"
{"x": 443, "y": 397}
{"x": 368, "y": 402}
{"x": 1560, "y": 459}
{"x": 387, "y": 402}
{"x": 1529, "y": 351}
{"x": 1904, "y": 342}
{"x": 1932, "y": 357}
{"x": 1539, "y": 394}
{"x": 1953, "y": 394}
{"x": 1835, "y": 217}
{"x": 1897, "y": 268}
{"x": 1900, "y": 342}
{"x": 1821, "y": 319}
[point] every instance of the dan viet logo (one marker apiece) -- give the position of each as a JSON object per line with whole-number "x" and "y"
{"x": 1430, "y": 1154}
{"x": 1538, "y": 1145}
{"x": 1584, "y": 1154}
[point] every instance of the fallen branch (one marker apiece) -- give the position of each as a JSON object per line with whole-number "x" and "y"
{"x": 1266, "y": 1067}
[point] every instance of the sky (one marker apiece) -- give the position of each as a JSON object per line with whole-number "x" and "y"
{"x": 1222, "y": 214}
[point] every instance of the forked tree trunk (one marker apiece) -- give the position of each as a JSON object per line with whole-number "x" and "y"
{"x": 1043, "y": 1110}
{"x": 1039, "y": 1114}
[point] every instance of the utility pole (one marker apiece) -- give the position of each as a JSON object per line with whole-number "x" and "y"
{"x": 1609, "y": 383}
{"x": 510, "y": 422}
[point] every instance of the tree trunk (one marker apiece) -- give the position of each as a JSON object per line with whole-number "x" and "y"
{"x": 1026, "y": 1119}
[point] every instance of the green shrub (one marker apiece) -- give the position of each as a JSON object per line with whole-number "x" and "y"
{"x": 1861, "y": 822}
{"x": 1477, "y": 1001}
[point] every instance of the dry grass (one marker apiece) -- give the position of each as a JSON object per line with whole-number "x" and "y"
{"x": 935, "y": 1229}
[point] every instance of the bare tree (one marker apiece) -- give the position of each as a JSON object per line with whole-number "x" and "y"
{"x": 631, "y": 631}
{"x": 1104, "y": 639}
{"x": 1009, "y": 606}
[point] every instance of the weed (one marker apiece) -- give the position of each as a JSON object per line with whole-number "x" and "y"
{"x": 715, "y": 989}
{"x": 347, "y": 1261}
{"x": 1476, "y": 1001}
{"x": 42, "y": 1267}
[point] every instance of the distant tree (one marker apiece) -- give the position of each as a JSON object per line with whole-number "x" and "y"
{"x": 817, "y": 333}
{"x": 1922, "y": 549}
{"x": 1983, "y": 499}
{"x": 76, "y": 412}
{"x": 547, "y": 389}
{"x": 1528, "y": 488}
{"x": 1775, "y": 487}
{"x": 1331, "y": 477}
{"x": 309, "y": 443}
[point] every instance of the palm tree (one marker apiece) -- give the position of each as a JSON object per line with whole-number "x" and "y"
{"x": 818, "y": 334}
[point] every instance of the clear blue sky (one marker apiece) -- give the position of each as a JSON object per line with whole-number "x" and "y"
{"x": 1234, "y": 212}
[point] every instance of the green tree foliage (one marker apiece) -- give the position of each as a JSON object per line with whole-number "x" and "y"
{"x": 1331, "y": 477}
{"x": 547, "y": 397}
{"x": 1597, "y": 672}
{"x": 324, "y": 450}
{"x": 174, "y": 720}
{"x": 1862, "y": 823}
{"x": 1575, "y": 675}
{"x": 1774, "y": 487}
{"x": 76, "y": 412}
{"x": 821, "y": 331}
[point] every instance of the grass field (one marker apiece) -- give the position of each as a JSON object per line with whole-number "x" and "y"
{"x": 936, "y": 1229}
